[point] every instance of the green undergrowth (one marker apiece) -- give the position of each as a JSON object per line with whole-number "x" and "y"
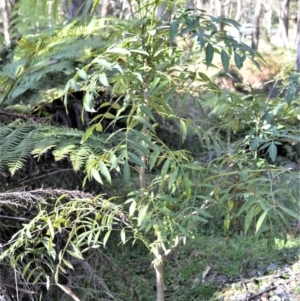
{"x": 203, "y": 268}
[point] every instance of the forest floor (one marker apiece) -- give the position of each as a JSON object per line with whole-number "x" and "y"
{"x": 216, "y": 267}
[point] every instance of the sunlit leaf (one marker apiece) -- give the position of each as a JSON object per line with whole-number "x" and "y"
{"x": 82, "y": 74}
{"x": 123, "y": 235}
{"x": 104, "y": 170}
{"x": 103, "y": 80}
{"x": 183, "y": 130}
{"x": 103, "y": 63}
{"x": 261, "y": 221}
{"x": 96, "y": 175}
{"x": 227, "y": 222}
{"x": 88, "y": 102}
{"x": 51, "y": 229}
{"x": 106, "y": 236}
{"x": 142, "y": 214}
{"x": 132, "y": 208}
{"x": 109, "y": 115}
{"x": 165, "y": 169}
{"x": 154, "y": 157}
{"x": 173, "y": 177}
{"x": 118, "y": 50}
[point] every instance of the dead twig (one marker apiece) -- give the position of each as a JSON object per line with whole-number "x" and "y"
{"x": 260, "y": 293}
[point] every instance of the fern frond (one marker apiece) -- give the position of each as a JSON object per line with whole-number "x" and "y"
{"x": 19, "y": 141}
{"x": 43, "y": 146}
{"x": 57, "y": 51}
{"x": 18, "y": 158}
{"x": 79, "y": 156}
{"x": 63, "y": 150}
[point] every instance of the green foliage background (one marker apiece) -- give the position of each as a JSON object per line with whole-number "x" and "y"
{"x": 122, "y": 86}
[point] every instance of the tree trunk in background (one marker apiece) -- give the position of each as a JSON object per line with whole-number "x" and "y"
{"x": 239, "y": 10}
{"x": 164, "y": 12}
{"x": 297, "y": 66}
{"x": 220, "y": 13}
{"x": 76, "y": 8}
{"x": 199, "y": 4}
{"x": 256, "y": 27}
{"x": 268, "y": 17}
{"x": 105, "y": 7}
{"x": 190, "y": 4}
{"x": 5, "y": 19}
{"x": 283, "y": 21}
{"x": 285, "y": 16}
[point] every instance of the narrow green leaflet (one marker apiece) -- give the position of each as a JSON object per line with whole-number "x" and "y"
{"x": 123, "y": 236}
{"x": 290, "y": 212}
{"x": 51, "y": 229}
{"x": 126, "y": 172}
{"x": 104, "y": 171}
{"x": 103, "y": 63}
{"x": 88, "y": 102}
{"x": 96, "y": 175}
{"x": 209, "y": 54}
{"x": 106, "y": 237}
{"x": 272, "y": 150}
{"x": 109, "y": 115}
{"x": 144, "y": 122}
{"x": 154, "y": 157}
{"x": 103, "y": 79}
{"x": 173, "y": 29}
{"x": 74, "y": 84}
{"x": 118, "y": 50}
{"x": 132, "y": 207}
{"x": 183, "y": 129}
{"x": 239, "y": 60}
{"x": 136, "y": 160}
{"x": 82, "y": 74}
{"x": 139, "y": 146}
{"x": 165, "y": 169}
{"x": 173, "y": 177}
{"x": 261, "y": 221}
{"x": 140, "y": 51}
{"x": 225, "y": 60}
{"x": 147, "y": 112}
{"x": 227, "y": 222}
{"x": 76, "y": 254}
{"x": 249, "y": 218}
{"x": 142, "y": 214}
{"x": 88, "y": 133}
{"x": 154, "y": 84}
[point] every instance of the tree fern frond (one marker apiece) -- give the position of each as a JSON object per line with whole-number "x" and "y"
{"x": 43, "y": 146}
{"x": 14, "y": 68}
{"x": 48, "y": 95}
{"x": 53, "y": 52}
{"x": 19, "y": 109}
{"x": 63, "y": 150}
{"x": 14, "y": 138}
{"x": 19, "y": 140}
{"x": 79, "y": 156}
{"x": 19, "y": 157}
